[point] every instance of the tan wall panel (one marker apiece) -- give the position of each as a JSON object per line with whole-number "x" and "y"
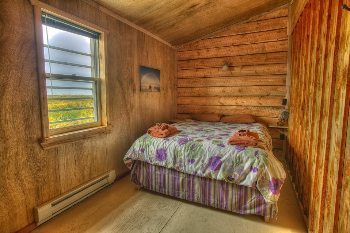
{"x": 31, "y": 175}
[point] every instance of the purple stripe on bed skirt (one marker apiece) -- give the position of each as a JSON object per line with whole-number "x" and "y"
{"x": 214, "y": 193}
{"x": 226, "y": 195}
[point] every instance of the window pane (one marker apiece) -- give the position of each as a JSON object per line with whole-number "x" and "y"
{"x": 44, "y": 27}
{"x": 69, "y": 83}
{"x": 63, "y": 39}
{"x": 71, "y": 101}
{"x": 54, "y": 68}
{"x": 63, "y": 56}
{"x": 56, "y": 102}
{"x": 63, "y": 119}
{"x": 70, "y": 106}
{"x": 53, "y": 91}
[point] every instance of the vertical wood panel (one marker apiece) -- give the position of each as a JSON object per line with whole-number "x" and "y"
{"x": 344, "y": 211}
{"x": 319, "y": 53}
{"x": 30, "y": 175}
{"x": 319, "y": 111}
{"x": 340, "y": 107}
{"x": 296, "y": 10}
{"x": 342, "y": 216}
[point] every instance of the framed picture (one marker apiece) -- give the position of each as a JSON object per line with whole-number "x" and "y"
{"x": 150, "y": 79}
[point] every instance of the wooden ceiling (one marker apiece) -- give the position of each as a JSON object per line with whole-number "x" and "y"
{"x": 181, "y": 21}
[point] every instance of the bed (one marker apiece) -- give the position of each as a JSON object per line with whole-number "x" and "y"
{"x": 198, "y": 165}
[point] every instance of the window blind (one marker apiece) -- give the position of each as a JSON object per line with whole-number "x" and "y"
{"x": 53, "y": 21}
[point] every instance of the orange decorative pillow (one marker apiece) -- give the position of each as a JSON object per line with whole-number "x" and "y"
{"x": 206, "y": 117}
{"x": 238, "y": 119}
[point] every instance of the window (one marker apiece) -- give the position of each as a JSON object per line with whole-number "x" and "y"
{"x": 72, "y": 77}
{"x": 72, "y": 72}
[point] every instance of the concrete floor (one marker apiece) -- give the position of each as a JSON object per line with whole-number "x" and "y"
{"x": 122, "y": 208}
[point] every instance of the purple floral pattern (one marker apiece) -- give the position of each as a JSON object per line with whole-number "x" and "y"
{"x": 183, "y": 140}
{"x": 215, "y": 163}
{"x": 193, "y": 147}
{"x": 161, "y": 154}
{"x": 202, "y": 149}
{"x": 275, "y": 185}
{"x": 240, "y": 148}
{"x": 191, "y": 161}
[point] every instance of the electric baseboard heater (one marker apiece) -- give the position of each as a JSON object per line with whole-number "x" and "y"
{"x": 52, "y": 208}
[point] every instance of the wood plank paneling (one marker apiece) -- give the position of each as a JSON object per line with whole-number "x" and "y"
{"x": 319, "y": 105}
{"x": 343, "y": 224}
{"x": 31, "y": 175}
{"x": 240, "y": 39}
{"x": 265, "y": 120}
{"x": 230, "y": 110}
{"x": 255, "y": 83}
{"x": 295, "y": 12}
{"x": 252, "y": 26}
{"x": 272, "y": 80}
{"x": 340, "y": 108}
{"x": 277, "y": 13}
{"x": 268, "y": 47}
{"x": 181, "y": 21}
{"x": 252, "y": 59}
{"x": 233, "y": 91}
{"x": 228, "y": 101}
{"x": 234, "y": 71}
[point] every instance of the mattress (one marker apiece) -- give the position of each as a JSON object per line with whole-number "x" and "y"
{"x": 201, "y": 149}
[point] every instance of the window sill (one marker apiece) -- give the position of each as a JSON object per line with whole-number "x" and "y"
{"x": 60, "y": 139}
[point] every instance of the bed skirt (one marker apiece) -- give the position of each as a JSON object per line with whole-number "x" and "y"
{"x": 209, "y": 192}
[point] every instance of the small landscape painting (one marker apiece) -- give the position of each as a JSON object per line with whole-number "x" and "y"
{"x": 150, "y": 79}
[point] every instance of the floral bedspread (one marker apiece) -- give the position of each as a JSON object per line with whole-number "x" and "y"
{"x": 201, "y": 149}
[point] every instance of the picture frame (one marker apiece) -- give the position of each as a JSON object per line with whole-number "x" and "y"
{"x": 149, "y": 79}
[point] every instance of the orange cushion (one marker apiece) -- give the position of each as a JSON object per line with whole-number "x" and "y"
{"x": 238, "y": 119}
{"x": 206, "y": 117}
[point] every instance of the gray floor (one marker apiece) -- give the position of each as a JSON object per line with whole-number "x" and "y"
{"x": 122, "y": 208}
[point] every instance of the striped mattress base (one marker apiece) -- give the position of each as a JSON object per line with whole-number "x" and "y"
{"x": 209, "y": 192}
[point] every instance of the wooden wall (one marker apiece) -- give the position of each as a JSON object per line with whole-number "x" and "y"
{"x": 255, "y": 83}
{"x": 181, "y": 21}
{"x": 297, "y": 7}
{"x": 30, "y": 175}
{"x": 319, "y": 108}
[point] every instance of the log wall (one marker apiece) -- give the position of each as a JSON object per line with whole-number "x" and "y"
{"x": 30, "y": 175}
{"x": 255, "y": 83}
{"x": 319, "y": 110}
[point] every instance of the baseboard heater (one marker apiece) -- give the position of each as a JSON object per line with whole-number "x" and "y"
{"x": 52, "y": 208}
